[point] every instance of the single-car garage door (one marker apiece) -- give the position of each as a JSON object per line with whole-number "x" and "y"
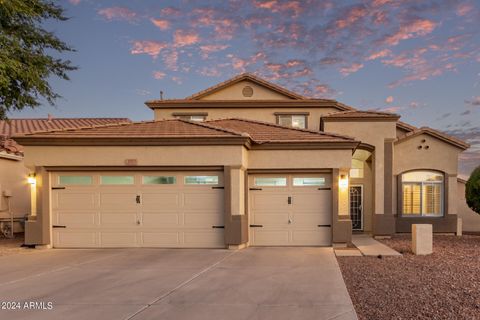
{"x": 290, "y": 209}
{"x": 138, "y": 209}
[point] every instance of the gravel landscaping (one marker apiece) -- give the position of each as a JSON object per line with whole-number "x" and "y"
{"x": 444, "y": 285}
{"x": 13, "y": 246}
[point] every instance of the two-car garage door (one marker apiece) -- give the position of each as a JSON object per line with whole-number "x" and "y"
{"x": 138, "y": 209}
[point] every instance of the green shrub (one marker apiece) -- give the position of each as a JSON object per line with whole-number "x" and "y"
{"x": 472, "y": 191}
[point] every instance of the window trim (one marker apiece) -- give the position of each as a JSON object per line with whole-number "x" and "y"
{"x": 279, "y": 114}
{"x": 177, "y": 115}
{"x": 283, "y": 177}
{"x": 443, "y": 197}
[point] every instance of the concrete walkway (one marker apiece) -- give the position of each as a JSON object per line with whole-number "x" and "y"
{"x": 176, "y": 284}
{"x": 371, "y": 247}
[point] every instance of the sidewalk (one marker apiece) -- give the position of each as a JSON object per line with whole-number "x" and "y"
{"x": 371, "y": 247}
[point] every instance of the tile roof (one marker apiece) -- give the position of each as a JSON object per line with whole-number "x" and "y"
{"x": 9, "y": 146}
{"x": 13, "y": 127}
{"x": 264, "y": 132}
{"x": 405, "y": 126}
{"x": 234, "y": 129}
{"x": 174, "y": 128}
{"x": 241, "y": 77}
{"x": 437, "y": 134}
{"x": 359, "y": 114}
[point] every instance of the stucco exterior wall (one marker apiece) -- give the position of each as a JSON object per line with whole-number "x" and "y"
{"x": 424, "y": 152}
{"x": 373, "y": 133}
{"x": 470, "y": 219}
{"x": 299, "y": 159}
{"x": 13, "y": 177}
{"x": 261, "y": 114}
{"x": 439, "y": 155}
{"x": 145, "y": 155}
{"x": 234, "y": 92}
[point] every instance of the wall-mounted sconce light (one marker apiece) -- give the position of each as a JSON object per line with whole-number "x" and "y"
{"x": 343, "y": 183}
{"x": 32, "y": 179}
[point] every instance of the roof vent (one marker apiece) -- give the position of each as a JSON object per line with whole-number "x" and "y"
{"x": 247, "y": 91}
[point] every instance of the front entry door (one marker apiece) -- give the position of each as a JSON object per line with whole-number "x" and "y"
{"x": 356, "y": 207}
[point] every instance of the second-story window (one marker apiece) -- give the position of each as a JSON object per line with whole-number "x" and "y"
{"x": 292, "y": 120}
{"x": 191, "y": 116}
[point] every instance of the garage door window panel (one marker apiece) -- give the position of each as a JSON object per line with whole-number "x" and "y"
{"x": 68, "y": 180}
{"x": 309, "y": 182}
{"x": 201, "y": 180}
{"x": 117, "y": 180}
{"x": 159, "y": 180}
{"x": 271, "y": 181}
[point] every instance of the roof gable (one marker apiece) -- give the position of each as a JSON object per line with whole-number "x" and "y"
{"x": 436, "y": 134}
{"x": 245, "y": 86}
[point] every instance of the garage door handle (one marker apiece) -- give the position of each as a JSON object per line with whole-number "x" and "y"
{"x": 256, "y": 226}
{"x": 218, "y": 227}
{"x": 58, "y": 188}
{"x": 324, "y": 225}
{"x": 218, "y": 187}
{"x": 255, "y": 189}
{"x": 56, "y": 226}
{"x": 324, "y": 189}
{"x": 137, "y": 199}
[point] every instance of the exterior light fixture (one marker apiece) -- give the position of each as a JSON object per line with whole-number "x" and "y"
{"x": 343, "y": 183}
{"x": 32, "y": 179}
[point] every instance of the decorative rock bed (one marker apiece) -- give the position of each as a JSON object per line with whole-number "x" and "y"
{"x": 444, "y": 285}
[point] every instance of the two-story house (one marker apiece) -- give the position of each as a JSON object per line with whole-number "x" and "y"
{"x": 245, "y": 162}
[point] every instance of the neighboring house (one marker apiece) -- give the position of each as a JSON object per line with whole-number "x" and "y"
{"x": 470, "y": 219}
{"x": 14, "y": 188}
{"x": 245, "y": 162}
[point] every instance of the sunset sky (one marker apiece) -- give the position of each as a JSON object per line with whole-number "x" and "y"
{"x": 420, "y": 59}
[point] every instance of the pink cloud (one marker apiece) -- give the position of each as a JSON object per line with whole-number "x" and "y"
{"x": 170, "y": 58}
{"x": 171, "y": 11}
{"x": 389, "y": 99}
{"x": 159, "y": 75}
{"x": 379, "y": 54}
{"x": 464, "y": 9}
{"x": 210, "y": 72}
{"x": 118, "y": 13}
{"x": 211, "y": 48}
{"x": 276, "y": 6}
{"x": 75, "y": 2}
{"x": 161, "y": 24}
{"x": 354, "y": 67}
{"x": 411, "y": 29}
{"x": 353, "y": 15}
{"x": 152, "y": 48}
{"x": 185, "y": 38}
{"x": 379, "y": 3}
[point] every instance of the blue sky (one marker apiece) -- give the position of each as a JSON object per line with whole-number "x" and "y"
{"x": 420, "y": 59}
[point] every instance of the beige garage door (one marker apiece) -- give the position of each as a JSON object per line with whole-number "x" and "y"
{"x": 290, "y": 210}
{"x": 141, "y": 209}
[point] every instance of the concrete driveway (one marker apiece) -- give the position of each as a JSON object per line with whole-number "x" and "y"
{"x": 254, "y": 283}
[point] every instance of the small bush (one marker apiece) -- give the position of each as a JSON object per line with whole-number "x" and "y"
{"x": 472, "y": 191}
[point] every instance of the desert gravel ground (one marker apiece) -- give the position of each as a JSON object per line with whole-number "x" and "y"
{"x": 13, "y": 246}
{"x": 444, "y": 285}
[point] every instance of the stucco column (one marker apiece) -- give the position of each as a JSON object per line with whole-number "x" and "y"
{"x": 38, "y": 231}
{"x": 236, "y": 224}
{"x": 384, "y": 221}
{"x": 452, "y": 194}
{"x": 341, "y": 222}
